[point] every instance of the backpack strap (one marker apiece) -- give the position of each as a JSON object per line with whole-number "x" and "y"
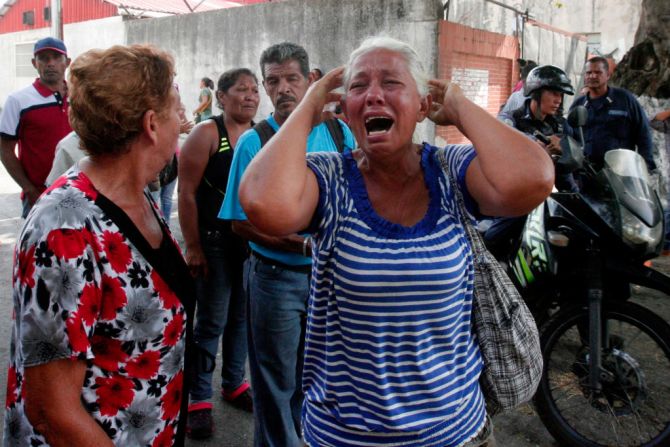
{"x": 264, "y": 131}
{"x": 224, "y": 144}
{"x": 336, "y": 133}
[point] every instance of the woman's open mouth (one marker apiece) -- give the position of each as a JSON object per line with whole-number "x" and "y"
{"x": 376, "y": 125}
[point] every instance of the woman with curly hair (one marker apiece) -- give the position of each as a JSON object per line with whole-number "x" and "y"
{"x": 101, "y": 290}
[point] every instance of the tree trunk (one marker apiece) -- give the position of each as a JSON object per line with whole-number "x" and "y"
{"x": 645, "y": 69}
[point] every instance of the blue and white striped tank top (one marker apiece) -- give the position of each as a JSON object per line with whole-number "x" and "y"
{"x": 390, "y": 358}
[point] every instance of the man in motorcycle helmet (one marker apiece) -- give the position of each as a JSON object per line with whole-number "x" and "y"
{"x": 541, "y": 114}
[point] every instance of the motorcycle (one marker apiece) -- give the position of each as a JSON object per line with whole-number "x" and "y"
{"x": 606, "y": 378}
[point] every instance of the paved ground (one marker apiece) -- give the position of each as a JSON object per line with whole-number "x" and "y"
{"x": 520, "y": 428}
{"x": 234, "y": 427}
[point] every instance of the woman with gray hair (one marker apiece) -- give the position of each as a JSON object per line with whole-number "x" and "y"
{"x": 390, "y": 357}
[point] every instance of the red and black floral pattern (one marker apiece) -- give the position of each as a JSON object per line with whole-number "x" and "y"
{"x": 84, "y": 291}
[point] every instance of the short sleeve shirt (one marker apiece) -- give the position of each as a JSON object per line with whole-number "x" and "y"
{"x": 84, "y": 290}
{"x": 390, "y": 357}
{"x": 249, "y": 144}
{"x": 38, "y": 118}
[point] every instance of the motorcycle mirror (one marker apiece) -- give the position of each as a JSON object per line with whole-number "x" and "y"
{"x": 578, "y": 116}
{"x": 572, "y": 156}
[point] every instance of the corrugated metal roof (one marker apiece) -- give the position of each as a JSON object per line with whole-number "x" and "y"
{"x": 173, "y": 6}
{"x": 12, "y": 11}
{"x": 73, "y": 11}
{"x": 5, "y": 7}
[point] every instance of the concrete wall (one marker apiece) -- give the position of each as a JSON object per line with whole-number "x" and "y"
{"x": 103, "y": 33}
{"x": 548, "y": 47}
{"x": 541, "y": 44}
{"x": 652, "y": 106}
{"x": 206, "y": 44}
{"x": 616, "y": 20}
{"x": 79, "y": 37}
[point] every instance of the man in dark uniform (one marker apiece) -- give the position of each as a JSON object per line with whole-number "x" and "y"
{"x": 540, "y": 118}
{"x": 615, "y": 118}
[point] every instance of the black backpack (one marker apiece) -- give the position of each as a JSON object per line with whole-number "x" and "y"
{"x": 265, "y": 132}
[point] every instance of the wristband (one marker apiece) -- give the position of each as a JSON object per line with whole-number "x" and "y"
{"x": 305, "y": 242}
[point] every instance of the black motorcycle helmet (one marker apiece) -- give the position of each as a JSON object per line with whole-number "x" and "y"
{"x": 547, "y": 77}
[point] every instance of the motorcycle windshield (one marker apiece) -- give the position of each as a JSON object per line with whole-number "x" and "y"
{"x": 630, "y": 181}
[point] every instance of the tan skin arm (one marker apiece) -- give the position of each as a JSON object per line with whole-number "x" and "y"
{"x": 282, "y": 169}
{"x": 509, "y": 176}
{"x": 14, "y": 168}
{"x": 292, "y": 243}
{"x": 662, "y": 116}
{"x": 53, "y": 405}
{"x": 204, "y": 103}
{"x": 193, "y": 159}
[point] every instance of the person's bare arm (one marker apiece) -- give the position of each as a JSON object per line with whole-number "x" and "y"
{"x": 662, "y": 116}
{"x": 205, "y": 100}
{"x": 278, "y": 192}
{"x": 511, "y": 175}
{"x": 293, "y": 243}
{"x": 193, "y": 160}
{"x": 53, "y": 405}
{"x": 661, "y": 121}
{"x": 15, "y": 169}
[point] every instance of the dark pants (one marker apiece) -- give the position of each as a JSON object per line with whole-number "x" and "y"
{"x": 221, "y": 313}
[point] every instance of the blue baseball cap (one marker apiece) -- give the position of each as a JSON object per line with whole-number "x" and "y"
{"x": 50, "y": 43}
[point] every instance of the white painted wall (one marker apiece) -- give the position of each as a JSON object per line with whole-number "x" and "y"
{"x": 207, "y": 44}
{"x": 79, "y": 37}
{"x": 103, "y": 33}
{"x": 616, "y": 20}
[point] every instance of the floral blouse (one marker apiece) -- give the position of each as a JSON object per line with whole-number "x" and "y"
{"x": 88, "y": 286}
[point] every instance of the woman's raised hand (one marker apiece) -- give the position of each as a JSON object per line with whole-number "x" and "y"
{"x": 446, "y": 97}
{"x": 321, "y": 93}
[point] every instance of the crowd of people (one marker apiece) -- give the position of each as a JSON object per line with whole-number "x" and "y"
{"x": 331, "y": 257}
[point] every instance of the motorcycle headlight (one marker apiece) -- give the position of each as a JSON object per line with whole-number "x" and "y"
{"x": 637, "y": 233}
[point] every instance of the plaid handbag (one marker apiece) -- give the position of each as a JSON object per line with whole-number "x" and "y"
{"x": 505, "y": 328}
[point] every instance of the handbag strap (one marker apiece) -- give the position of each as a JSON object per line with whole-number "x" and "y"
{"x": 471, "y": 232}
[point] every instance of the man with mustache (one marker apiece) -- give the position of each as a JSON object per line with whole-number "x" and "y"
{"x": 36, "y": 117}
{"x": 278, "y": 271}
{"x": 615, "y": 118}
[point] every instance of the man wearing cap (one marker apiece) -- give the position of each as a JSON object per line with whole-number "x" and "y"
{"x": 37, "y": 118}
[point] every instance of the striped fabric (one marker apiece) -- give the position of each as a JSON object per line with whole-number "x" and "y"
{"x": 390, "y": 358}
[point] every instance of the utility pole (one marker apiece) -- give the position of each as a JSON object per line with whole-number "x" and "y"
{"x": 57, "y": 19}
